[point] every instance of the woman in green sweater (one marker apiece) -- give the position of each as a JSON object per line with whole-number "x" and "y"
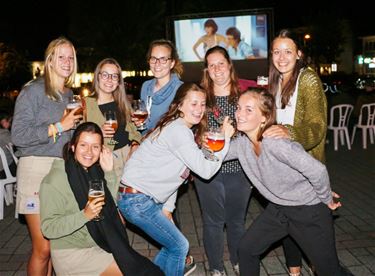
{"x": 79, "y": 244}
{"x": 109, "y": 95}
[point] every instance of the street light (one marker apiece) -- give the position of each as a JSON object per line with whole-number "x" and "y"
{"x": 306, "y": 38}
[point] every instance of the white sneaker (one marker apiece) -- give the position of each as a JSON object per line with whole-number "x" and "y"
{"x": 216, "y": 272}
{"x": 236, "y": 269}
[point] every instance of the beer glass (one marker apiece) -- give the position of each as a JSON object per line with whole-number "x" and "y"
{"x": 140, "y": 112}
{"x": 110, "y": 118}
{"x": 215, "y": 142}
{"x": 74, "y": 102}
{"x": 96, "y": 190}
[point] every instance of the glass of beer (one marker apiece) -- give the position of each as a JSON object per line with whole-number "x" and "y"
{"x": 96, "y": 190}
{"x": 140, "y": 112}
{"x": 110, "y": 118}
{"x": 215, "y": 142}
{"x": 74, "y": 102}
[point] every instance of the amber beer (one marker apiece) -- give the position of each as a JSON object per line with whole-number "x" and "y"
{"x": 216, "y": 141}
{"x": 114, "y": 125}
{"x": 140, "y": 115}
{"x": 74, "y": 105}
{"x": 95, "y": 194}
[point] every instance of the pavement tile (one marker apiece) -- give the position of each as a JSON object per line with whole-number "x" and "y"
{"x": 352, "y": 176}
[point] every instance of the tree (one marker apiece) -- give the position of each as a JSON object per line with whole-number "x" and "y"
{"x": 15, "y": 70}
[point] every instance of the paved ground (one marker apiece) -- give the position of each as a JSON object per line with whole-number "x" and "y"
{"x": 352, "y": 175}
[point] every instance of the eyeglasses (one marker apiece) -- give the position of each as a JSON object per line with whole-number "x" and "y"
{"x": 113, "y": 77}
{"x": 162, "y": 60}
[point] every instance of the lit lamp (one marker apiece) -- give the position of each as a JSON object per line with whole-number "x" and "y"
{"x": 306, "y": 38}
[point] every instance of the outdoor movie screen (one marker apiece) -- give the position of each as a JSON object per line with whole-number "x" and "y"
{"x": 244, "y": 36}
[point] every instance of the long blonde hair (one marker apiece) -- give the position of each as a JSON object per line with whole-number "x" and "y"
{"x": 119, "y": 95}
{"x": 51, "y": 84}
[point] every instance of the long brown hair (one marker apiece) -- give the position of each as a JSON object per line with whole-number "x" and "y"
{"x": 50, "y": 56}
{"x": 174, "y": 113}
{"x": 266, "y": 104}
{"x": 275, "y": 76}
{"x": 177, "y": 68}
{"x": 119, "y": 95}
{"x": 207, "y": 83}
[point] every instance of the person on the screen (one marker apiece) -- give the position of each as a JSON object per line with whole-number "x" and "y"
{"x": 237, "y": 48}
{"x": 210, "y": 39}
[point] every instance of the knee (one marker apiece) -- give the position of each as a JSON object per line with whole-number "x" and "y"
{"x": 246, "y": 249}
{"x": 42, "y": 251}
{"x": 182, "y": 247}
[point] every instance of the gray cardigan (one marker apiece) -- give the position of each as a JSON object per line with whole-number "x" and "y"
{"x": 33, "y": 113}
{"x": 284, "y": 172}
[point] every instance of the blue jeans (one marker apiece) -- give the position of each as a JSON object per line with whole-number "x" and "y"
{"x": 144, "y": 212}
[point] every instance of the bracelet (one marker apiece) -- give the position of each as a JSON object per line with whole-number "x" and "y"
{"x": 54, "y": 132}
{"x": 59, "y": 128}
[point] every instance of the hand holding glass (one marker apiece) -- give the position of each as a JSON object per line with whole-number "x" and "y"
{"x": 140, "y": 113}
{"x": 215, "y": 142}
{"x": 74, "y": 102}
{"x": 96, "y": 190}
{"x": 110, "y": 118}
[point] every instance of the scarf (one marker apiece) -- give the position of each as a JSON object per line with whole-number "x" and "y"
{"x": 165, "y": 92}
{"x": 108, "y": 233}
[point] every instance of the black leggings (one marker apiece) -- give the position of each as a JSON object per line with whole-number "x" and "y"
{"x": 310, "y": 226}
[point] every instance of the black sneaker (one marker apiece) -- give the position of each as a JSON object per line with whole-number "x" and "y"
{"x": 190, "y": 265}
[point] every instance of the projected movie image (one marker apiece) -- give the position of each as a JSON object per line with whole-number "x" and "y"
{"x": 245, "y": 36}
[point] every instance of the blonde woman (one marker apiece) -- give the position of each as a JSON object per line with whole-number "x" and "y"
{"x": 40, "y": 130}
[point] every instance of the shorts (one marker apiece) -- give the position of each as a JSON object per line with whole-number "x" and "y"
{"x": 80, "y": 261}
{"x": 30, "y": 172}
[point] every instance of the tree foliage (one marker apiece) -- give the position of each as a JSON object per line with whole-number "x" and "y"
{"x": 14, "y": 69}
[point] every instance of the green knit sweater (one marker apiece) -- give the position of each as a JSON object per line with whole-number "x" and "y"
{"x": 62, "y": 222}
{"x": 310, "y": 119}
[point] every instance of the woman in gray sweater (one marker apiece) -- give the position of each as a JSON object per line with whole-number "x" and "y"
{"x": 296, "y": 185}
{"x": 159, "y": 166}
{"x": 39, "y": 131}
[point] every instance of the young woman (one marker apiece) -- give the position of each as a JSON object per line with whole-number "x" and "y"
{"x": 109, "y": 95}
{"x": 39, "y": 131}
{"x": 301, "y": 110}
{"x": 296, "y": 185}
{"x": 210, "y": 39}
{"x": 223, "y": 198}
{"x": 158, "y": 93}
{"x": 79, "y": 245}
{"x": 159, "y": 166}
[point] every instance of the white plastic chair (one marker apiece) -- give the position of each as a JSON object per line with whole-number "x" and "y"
{"x": 339, "y": 120}
{"x": 6, "y": 191}
{"x": 366, "y": 121}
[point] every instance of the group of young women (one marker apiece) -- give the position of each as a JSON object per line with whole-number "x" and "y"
{"x": 142, "y": 175}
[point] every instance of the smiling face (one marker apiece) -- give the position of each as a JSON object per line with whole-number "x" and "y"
{"x": 193, "y": 107}
{"x": 285, "y": 55}
{"x": 63, "y": 61}
{"x": 218, "y": 69}
{"x": 88, "y": 148}
{"x": 108, "y": 78}
{"x": 248, "y": 115}
{"x": 160, "y": 70}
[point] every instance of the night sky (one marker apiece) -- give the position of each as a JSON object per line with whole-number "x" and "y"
{"x": 38, "y": 27}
